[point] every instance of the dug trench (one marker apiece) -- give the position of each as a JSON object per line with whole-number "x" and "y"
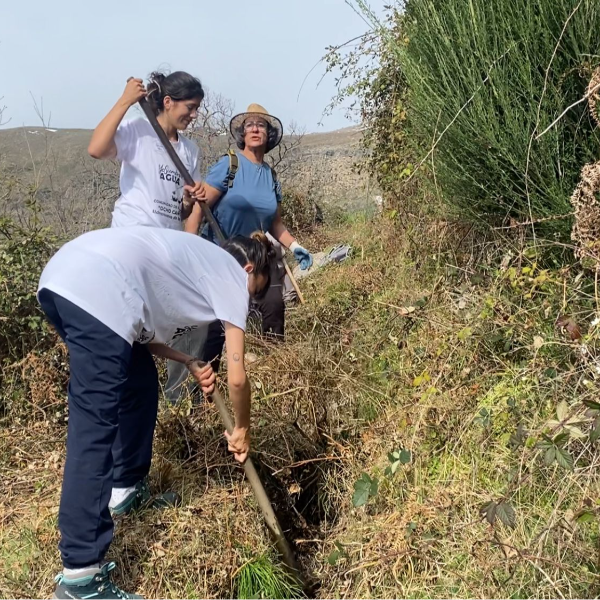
{"x": 295, "y": 467}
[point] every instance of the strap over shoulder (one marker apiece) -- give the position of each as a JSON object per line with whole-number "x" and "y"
{"x": 233, "y": 167}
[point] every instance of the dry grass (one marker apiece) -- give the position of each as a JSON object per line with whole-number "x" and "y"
{"x": 397, "y": 348}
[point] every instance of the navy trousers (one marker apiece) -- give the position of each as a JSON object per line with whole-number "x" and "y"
{"x": 113, "y": 402}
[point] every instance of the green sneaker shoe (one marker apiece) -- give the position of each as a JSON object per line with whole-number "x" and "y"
{"x": 140, "y": 496}
{"x": 94, "y": 586}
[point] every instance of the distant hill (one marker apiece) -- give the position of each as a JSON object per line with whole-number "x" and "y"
{"x": 24, "y": 147}
{"x": 76, "y": 192}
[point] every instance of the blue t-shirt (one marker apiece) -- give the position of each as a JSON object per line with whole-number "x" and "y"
{"x": 250, "y": 205}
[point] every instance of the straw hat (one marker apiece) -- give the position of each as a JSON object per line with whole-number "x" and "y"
{"x": 256, "y": 110}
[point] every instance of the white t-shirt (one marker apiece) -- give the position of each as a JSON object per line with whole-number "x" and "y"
{"x": 149, "y": 284}
{"x": 151, "y": 186}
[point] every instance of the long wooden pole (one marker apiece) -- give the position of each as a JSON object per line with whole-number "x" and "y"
{"x": 160, "y": 132}
{"x": 293, "y": 280}
{"x": 261, "y": 496}
{"x": 251, "y": 473}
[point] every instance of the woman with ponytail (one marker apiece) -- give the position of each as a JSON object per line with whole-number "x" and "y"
{"x": 152, "y": 190}
{"x": 117, "y": 296}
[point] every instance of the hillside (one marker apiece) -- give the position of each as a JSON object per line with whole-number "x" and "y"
{"x": 418, "y": 433}
{"x": 430, "y": 425}
{"x": 24, "y": 147}
{"x": 79, "y": 192}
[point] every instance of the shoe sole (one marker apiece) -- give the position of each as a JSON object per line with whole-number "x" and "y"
{"x": 55, "y": 597}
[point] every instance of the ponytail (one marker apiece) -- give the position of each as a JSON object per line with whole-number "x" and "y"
{"x": 178, "y": 86}
{"x": 256, "y": 250}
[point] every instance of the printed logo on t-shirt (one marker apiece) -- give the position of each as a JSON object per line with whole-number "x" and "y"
{"x": 151, "y": 184}
{"x": 183, "y": 330}
{"x": 170, "y": 209}
{"x": 145, "y": 336}
{"x": 167, "y": 173}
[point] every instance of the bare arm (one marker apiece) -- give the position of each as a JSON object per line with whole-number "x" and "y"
{"x": 187, "y": 208}
{"x": 203, "y": 374}
{"x": 191, "y": 196}
{"x": 102, "y": 145}
{"x": 237, "y": 382}
{"x": 192, "y": 224}
{"x": 239, "y": 393}
{"x": 210, "y": 196}
{"x": 279, "y": 230}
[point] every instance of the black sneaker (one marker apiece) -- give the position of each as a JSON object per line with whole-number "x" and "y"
{"x": 94, "y": 586}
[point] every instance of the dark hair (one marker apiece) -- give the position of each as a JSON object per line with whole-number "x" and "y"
{"x": 256, "y": 250}
{"x": 178, "y": 85}
{"x": 272, "y": 136}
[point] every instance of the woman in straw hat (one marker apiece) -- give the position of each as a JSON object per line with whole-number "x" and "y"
{"x": 246, "y": 202}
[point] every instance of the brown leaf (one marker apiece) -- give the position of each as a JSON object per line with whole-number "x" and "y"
{"x": 506, "y": 547}
{"x": 569, "y": 326}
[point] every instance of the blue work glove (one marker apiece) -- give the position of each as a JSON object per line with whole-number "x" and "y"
{"x": 302, "y": 255}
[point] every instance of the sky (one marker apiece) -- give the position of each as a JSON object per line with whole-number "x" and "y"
{"x": 73, "y": 57}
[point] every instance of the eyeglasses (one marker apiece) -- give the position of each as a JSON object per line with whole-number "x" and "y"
{"x": 249, "y": 125}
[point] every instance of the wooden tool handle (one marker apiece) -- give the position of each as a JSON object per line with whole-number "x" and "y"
{"x": 260, "y": 494}
{"x": 160, "y": 132}
{"x": 293, "y": 280}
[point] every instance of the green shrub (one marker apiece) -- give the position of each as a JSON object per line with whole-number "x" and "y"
{"x": 481, "y": 72}
{"x": 23, "y": 255}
